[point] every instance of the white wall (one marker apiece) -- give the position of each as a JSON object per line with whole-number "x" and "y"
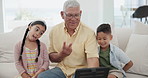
{"x": 91, "y": 14}
{"x": 108, "y": 11}
{"x": 1, "y": 18}
{"x": 96, "y": 12}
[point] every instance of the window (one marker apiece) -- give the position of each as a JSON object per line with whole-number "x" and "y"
{"x": 21, "y": 12}
{"x": 123, "y": 10}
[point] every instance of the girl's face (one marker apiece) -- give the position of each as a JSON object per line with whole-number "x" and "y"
{"x": 35, "y": 32}
{"x": 104, "y": 39}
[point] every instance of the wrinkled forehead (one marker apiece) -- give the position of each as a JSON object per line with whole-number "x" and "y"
{"x": 74, "y": 10}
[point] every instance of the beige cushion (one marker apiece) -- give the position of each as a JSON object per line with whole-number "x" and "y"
{"x": 114, "y": 40}
{"x": 10, "y": 39}
{"x": 140, "y": 28}
{"x": 6, "y": 56}
{"x": 131, "y": 75}
{"x": 137, "y": 50}
{"x": 8, "y": 70}
{"x": 123, "y": 36}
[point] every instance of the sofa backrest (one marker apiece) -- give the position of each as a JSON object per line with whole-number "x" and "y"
{"x": 123, "y": 35}
{"x": 8, "y": 41}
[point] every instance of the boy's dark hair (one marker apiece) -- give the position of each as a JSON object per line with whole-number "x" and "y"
{"x": 105, "y": 28}
{"x": 38, "y": 41}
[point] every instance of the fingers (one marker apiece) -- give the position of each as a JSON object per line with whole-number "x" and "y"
{"x": 69, "y": 46}
{"x": 66, "y": 49}
{"x": 64, "y": 44}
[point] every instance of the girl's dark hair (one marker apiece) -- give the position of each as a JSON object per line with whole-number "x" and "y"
{"x": 105, "y": 28}
{"x": 38, "y": 41}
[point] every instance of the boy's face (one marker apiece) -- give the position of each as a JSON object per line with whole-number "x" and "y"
{"x": 104, "y": 39}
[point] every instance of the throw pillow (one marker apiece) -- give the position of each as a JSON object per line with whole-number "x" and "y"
{"x": 137, "y": 50}
{"x": 140, "y": 28}
{"x": 8, "y": 70}
{"x": 6, "y": 56}
{"x": 8, "y": 41}
{"x": 115, "y": 39}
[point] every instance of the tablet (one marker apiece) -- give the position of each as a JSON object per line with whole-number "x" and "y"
{"x": 100, "y": 72}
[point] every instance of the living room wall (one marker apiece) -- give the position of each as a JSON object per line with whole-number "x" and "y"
{"x": 95, "y": 12}
{"x": 1, "y": 18}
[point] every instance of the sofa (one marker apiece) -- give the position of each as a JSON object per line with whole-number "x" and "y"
{"x": 133, "y": 41}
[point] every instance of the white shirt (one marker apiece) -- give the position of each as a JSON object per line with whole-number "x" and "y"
{"x": 118, "y": 57}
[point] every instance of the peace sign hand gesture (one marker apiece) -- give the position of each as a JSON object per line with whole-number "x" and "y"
{"x": 66, "y": 51}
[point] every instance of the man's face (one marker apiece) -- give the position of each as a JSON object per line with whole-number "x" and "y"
{"x": 71, "y": 17}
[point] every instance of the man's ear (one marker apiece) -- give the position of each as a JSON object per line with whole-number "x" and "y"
{"x": 62, "y": 14}
{"x": 81, "y": 12}
{"x": 111, "y": 37}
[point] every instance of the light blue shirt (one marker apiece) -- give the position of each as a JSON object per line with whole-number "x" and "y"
{"x": 117, "y": 58}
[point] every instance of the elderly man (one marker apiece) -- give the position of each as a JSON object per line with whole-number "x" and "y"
{"x": 72, "y": 44}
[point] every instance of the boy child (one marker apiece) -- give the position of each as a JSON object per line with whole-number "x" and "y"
{"x": 110, "y": 55}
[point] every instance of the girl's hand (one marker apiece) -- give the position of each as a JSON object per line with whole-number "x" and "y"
{"x": 25, "y": 75}
{"x": 38, "y": 72}
{"x": 35, "y": 76}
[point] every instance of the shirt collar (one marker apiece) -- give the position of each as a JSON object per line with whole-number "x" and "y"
{"x": 76, "y": 30}
{"x": 111, "y": 47}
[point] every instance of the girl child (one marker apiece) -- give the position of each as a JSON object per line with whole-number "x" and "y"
{"x": 31, "y": 56}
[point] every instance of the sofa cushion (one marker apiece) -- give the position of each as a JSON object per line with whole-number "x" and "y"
{"x": 10, "y": 39}
{"x": 8, "y": 70}
{"x": 135, "y": 75}
{"x": 6, "y": 56}
{"x": 140, "y": 28}
{"x": 114, "y": 40}
{"x": 137, "y": 50}
{"x": 123, "y": 35}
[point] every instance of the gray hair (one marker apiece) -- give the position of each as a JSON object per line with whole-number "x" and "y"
{"x": 70, "y": 4}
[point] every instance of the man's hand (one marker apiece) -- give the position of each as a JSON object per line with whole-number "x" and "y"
{"x": 58, "y": 57}
{"x": 66, "y": 51}
{"x": 93, "y": 62}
